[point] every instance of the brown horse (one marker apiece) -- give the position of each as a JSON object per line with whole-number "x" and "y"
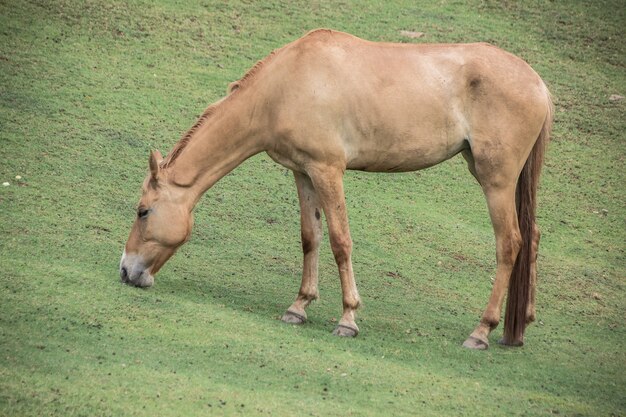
{"x": 329, "y": 102}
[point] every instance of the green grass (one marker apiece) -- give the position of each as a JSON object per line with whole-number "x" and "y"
{"x": 87, "y": 88}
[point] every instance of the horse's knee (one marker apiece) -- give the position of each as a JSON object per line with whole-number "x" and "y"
{"x": 310, "y": 241}
{"x": 342, "y": 249}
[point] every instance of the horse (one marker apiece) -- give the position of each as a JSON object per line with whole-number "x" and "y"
{"x": 330, "y": 102}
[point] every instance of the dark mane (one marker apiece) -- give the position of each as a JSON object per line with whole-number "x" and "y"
{"x": 249, "y": 76}
{"x": 252, "y": 72}
{"x": 184, "y": 141}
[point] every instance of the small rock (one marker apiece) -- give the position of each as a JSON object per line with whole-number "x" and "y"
{"x": 596, "y": 296}
{"x": 411, "y": 34}
{"x": 6, "y": 184}
{"x": 18, "y": 177}
{"x": 615, "y": 97}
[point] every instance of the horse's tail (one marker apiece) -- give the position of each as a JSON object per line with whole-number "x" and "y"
{"x": 526, "y": 203}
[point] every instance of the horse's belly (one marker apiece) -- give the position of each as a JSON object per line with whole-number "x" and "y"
{"x": 406, "y": 146}
{"x": 403, "y": 159}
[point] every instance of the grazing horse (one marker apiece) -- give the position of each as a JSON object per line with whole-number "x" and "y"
{"x": 329, "y": 102}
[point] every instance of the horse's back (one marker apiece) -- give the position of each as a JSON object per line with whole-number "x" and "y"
{"x": 397, "y": 107}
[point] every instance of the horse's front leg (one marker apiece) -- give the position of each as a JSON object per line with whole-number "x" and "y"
{"x": 311, "y": 233}
{"x": 328, "y": 182}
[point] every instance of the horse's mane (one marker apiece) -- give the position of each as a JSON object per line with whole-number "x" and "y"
{"x": 233, "y": 88}
{"x": 184, "y": 141}
{"x": 252, "y": 72}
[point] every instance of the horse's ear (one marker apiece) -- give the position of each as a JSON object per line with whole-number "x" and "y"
{"x": 155, "y": 160}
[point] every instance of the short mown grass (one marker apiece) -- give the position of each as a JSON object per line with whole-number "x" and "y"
{"x": 87, "y": 88}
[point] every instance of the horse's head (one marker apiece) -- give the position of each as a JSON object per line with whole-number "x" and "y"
{"x": 163, "y": 224}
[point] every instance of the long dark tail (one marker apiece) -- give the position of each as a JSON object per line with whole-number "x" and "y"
{"x": 526, "y": 202}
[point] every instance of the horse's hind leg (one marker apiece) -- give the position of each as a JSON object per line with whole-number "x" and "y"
{"x": 530, "y": 312}
{"x": 469, "y": 158}
{"x": 499, "y": 189}
{"x": 311, "y": 233}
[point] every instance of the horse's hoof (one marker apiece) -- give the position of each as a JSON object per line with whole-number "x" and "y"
{"x": 346, "y": 331}
{"x": 514, "y": 343}
{"x": 292, "y": 317}
{"x": 476, "y": 343}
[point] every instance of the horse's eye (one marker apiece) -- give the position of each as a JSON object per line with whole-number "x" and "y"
{"x": 142, "y": 212}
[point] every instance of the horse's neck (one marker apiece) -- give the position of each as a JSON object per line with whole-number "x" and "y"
{"x": 220, "y": 144}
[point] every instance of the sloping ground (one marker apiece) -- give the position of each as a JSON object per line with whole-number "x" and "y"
{"x": 87, "y": 88}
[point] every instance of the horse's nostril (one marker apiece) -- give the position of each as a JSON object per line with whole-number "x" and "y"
{"x": 124, "y": 274}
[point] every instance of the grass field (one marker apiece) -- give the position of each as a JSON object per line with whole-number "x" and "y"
{"x": 87, "y": 88}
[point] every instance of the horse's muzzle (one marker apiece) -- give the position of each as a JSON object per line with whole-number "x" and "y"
{"x": 133, "y": 272}
{"x": 124, "y": 275}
